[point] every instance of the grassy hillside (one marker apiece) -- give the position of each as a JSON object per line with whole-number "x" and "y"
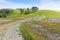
{"x": 40, "y": 13}
{"x": 45, "y": 13}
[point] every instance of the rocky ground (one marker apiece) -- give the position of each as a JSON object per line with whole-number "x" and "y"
{"x": 10, "y": 31}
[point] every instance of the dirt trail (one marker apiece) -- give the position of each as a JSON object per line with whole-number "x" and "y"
{"x": 5, "y": 26}
{"x": 10, "y": 31}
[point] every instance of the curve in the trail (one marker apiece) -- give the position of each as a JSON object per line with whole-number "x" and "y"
{"x": 12, "y": 33}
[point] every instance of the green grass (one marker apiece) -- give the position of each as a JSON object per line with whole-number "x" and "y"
{"x": 54, "y": 27}
{"x": 33, "y": 33}
{"x": 25, "y": 34}
{"x": 40, "y": 13}
{"x": 28, "y": 34}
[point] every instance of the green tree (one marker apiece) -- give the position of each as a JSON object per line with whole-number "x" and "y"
{"x": 27, "y": 11}
{"x": 4, "y": 12}
{"x": 35, "y": 9}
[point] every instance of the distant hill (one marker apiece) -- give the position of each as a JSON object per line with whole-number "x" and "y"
{"x": 39, "y": 13}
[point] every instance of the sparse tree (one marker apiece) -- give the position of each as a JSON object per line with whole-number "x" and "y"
{"x": 34, "y": 8}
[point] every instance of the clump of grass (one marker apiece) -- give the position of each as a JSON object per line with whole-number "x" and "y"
{"x": 25, "y": 34}
{"x": 30, "y": 32}
{"x": 50, "y": 26}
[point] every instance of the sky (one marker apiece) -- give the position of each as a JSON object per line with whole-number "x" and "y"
{"x": 41, "y": 4}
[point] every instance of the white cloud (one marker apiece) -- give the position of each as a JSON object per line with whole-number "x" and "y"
{"x": 7, "y": 4}
{"x": 45, "y": 4}
{"x": 50, "y": 5}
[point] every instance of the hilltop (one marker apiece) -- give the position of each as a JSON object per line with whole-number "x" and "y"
{"x": 39, "y": 13}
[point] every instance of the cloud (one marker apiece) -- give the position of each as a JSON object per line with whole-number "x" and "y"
{"x": 50, "y": 5}
{"x": 7, "y": 4}
{"x": 43, "y": 4}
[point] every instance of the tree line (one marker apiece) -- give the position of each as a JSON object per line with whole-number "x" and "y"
{"x": 5, "y": 12}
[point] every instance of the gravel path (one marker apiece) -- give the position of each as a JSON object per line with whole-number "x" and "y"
{"x": 11, "y": 33}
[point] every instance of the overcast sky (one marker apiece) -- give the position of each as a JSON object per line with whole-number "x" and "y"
{"x": 42, "y": 4}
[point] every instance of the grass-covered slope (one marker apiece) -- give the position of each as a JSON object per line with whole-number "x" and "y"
{"x": 45, "y": 13}
{"x": 40, "y": 13}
